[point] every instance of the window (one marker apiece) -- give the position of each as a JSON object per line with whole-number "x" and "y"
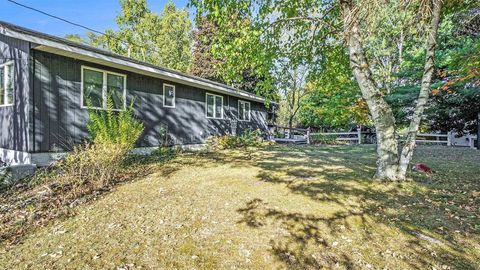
{"x": 168, "y": 95}
{"x": 6, "y": 84}
{"x": 98, "y": 86}
{"x": 214, "y": 106}
{"x": 243, "y": 110}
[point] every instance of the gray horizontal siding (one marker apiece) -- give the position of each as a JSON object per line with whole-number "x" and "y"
{"x": 14, "y": 120}
{"x": 61, "y": 122}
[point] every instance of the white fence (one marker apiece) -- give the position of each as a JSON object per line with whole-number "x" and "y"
{"x": 350, "y": 136}
{"x": 434, "y": 138}
{"x": 448, "y": 139}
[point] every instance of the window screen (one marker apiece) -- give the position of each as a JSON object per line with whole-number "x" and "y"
{"x": 214, "y": 106}
{"x": 101, "y": 87}
{"x": 92, "y": 88}
{"x": 6, "y": 84}
{"x": 244, "y": 110}
{"x": 168, "y": 95}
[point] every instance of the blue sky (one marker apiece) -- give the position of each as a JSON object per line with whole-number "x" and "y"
{"x": 96, "y": 14}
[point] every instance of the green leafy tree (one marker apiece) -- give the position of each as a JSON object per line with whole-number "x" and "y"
{"x": 174, "y": 39}
{"x": 205, "y": 63}
{"x": 335, "y": 100}
{"x": 455, "y": 103}
{"x": 162, "y": 39}
{"x": 214, "y": 57}
{"x": 452, "y": 104}
{"x": 292, "y": 85}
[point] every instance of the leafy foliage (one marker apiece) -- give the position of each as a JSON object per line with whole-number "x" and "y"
{"x": 205, "y": 63}
{"x": 334, "y": 99}
{"x": 162, "y": 39}
{"x": 249, "y": 138}
{"x": 455, "y": 109}
{"x": 5, "y": 177}
{"x": 454, "y": 99}
{"x": 114, "y": 127}
{"x": 75, "y": 38}
{"x": 291, "y": 83}
{"x": 113, "y": 135}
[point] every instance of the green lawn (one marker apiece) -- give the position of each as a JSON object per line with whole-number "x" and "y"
{"x": 285, "y": 208}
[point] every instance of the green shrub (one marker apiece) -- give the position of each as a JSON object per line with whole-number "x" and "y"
{"x": 249, "y": 138}
{"x": 223, "y": 142}
{"x": 95, "y": 164}
{"x": 87, "y": 171}
{"x": 114, "y": 127}
{"x": 165, "y": 152}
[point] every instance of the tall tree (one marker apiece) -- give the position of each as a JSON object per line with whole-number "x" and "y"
{"x": 389, "y": 164}
{"x": 162, "y": 39}
{"x": 291, "y": 83}
{"x": 334, "y": 99}
{"x": 174, "y": 40}
{"x": 213, "y": 58}
{"x": 205, "y": 64}
{"x": 455, "y": 102}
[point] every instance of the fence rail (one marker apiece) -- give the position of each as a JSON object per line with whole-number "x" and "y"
{"x": 437, "y": 138}
{"x": 360, "y": 137}
{"x": 352, "y": 136}
{"x": 427, "y": 138}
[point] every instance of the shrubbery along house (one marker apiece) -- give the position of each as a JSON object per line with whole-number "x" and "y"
{"x": 47, "y": 85}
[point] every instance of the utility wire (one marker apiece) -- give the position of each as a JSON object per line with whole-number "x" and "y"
{"x": 56, "y": 17}
{"x": 81, "y": 26}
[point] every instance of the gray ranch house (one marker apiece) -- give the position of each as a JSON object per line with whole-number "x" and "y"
{"x": 45, "y": 82}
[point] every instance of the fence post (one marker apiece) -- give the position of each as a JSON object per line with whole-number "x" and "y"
{"x": 359, "y": 134}
{"x": 449, "y": 142}
{"x": 308, "y": 135}
{"x": 471, "y": 141}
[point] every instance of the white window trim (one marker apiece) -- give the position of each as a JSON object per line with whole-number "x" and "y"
{"x": 5, "y": 84}
{"x": 249, "y": 110}
{"x": 214, "y": 106}
{"x": 104, "y": 89}
{"x": 174, "y": 95}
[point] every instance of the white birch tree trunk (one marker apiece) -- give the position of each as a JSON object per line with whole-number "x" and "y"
{"x": 390, "y": 165}
{"x": 380, "y": 111}
{"x": 407, "y": 151}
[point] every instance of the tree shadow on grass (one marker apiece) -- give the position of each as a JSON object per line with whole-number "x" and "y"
{"x": 302, "y": 232}
{"x": 416, "y": 209}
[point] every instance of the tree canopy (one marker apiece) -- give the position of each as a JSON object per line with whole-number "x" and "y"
{"x": 162, "y": 39}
